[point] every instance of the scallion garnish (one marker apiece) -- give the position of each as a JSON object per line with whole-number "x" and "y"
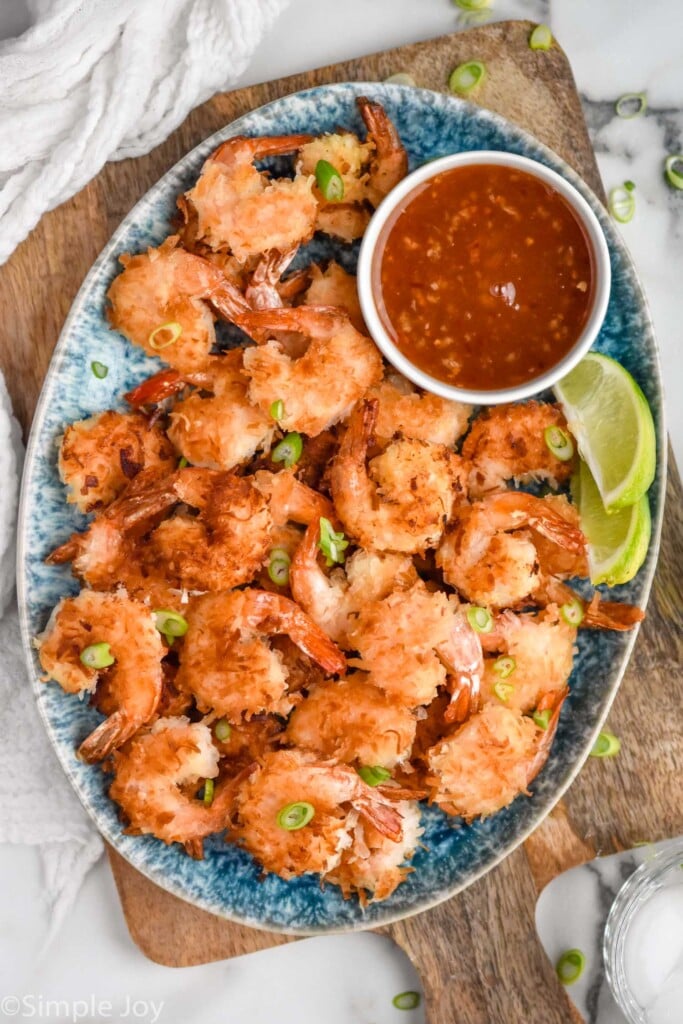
{"x": 559, "y": 443}
{"x": 503, "y": 691}
{"x": 295, "y": 816}
{"x": 472, "y": 5}
{"x": 373, "y": 775}
{"x": 170, "y": 623}
{"x": 606, "y": 745}
{"x": 401, "y": 78}
{"x": 165, "y": 335}
{"x": 223, "y": 730}
{"x": 277, "y": 409}
{"x": 541, "y": 38}
{"x": 631, "y": 104}
{"x": 674, "y": 177}
{"x": 100, "y": 370}
{"x": 569, "y": 967}
{"x": 572, "y": 612}
{"x": 208, "y": 792}
{"x": 542, "y": 718}
{"x": 97, "y": 656}
{"x": 505, "y": 666}
{"x": 406, "y": 1000}
{"x": 278, "y": 567}
{"x": 182, "y": 462}
{"x": 333, "y": 544}
{"x": 289, "y": 450}
{"x": 467, "y": 77}
{"x": 330, "y": 181}
{"x": 622, "y": 203}
{"x": 480, "y": 619}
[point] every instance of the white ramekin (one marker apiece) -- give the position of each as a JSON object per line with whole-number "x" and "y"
{"x": 600, "y": 261}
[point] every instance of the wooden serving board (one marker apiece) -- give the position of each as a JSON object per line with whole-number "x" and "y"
{"x": 477, "y": 954}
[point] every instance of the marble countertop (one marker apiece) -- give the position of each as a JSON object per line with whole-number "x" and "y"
{"x": 615, "y": 47}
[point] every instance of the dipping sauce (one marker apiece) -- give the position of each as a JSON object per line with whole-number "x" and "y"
{"x": 484, "y": 277}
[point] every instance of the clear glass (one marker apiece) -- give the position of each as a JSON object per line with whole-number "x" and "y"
{"x": 662, "y": 871}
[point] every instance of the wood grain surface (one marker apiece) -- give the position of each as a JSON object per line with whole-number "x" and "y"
{"x": 478, "y": 954}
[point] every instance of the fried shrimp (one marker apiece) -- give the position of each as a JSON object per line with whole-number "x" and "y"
{"x": 100, "y": 455}
{"x": 164, "y": 301}
{"x": 244, "y": 210}
{"x": 419, "y": 415}
{"x": 296, "y": 813}
{"x": 155, "y": 781}
{"x": 353, "y": 720}
{"x": 229, "y": 666}
{"x": 339, "y": 365}
{"x": 334, "y": 287}
{"x": 508, "y": 442}
{"x": 486, "y": 557}
{"x": 489, "y": 760}
{"x": 402, "y": 499}
{"x": 93, "y": 636}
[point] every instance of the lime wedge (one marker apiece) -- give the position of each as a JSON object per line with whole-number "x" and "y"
{"x": 617, "y": 541}
{"x": 609, "y": 416}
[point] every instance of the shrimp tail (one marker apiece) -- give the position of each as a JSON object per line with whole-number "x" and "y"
{"x": 155, "y": 389}
{"x": 194, "y": 848}
{"x": 67, "y": 552}
{"x": 599, "y": 614}
{"x": 108, "y": 735}
{"x": 385, "y": 818}
{"x": 547, "y": 737}
{"x": 270, "y": 145}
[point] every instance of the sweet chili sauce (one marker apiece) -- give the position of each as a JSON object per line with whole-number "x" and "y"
{"x": 484, "y": 278}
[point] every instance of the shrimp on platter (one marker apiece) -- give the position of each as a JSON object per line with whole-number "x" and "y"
{"x": 335, "y": 287}
{"x": 156, "y": 777}
{"x": 244, "y": 211}
{"x": 319, "y": 387}
{"x": 296, "y": 813}
{"x": 402, "y": 498}
{"x": 416, "y": 414}
{"x": 164, "y": 301}
{"x": 226, "y": 662}
{"x": 100, "y": 455}
{"x": 97, "y": 636}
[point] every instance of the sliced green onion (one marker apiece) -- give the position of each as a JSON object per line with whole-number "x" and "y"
{"x": 332, "y": 544}
{"x": 472, "y": 5}
{"x": 278, "y": 567}
{"x": 97, "y": 656}
{"x": 622, "y": 203}
{"x": 480, "y": 619}
{"x": 559, "y": 443}
{"x": 467, "y": 77}
{"x": 170, "y": 623}
{"x": 541, "y": 38}
{"x": 505, "y": 666}
{"x": 374, "y": 774}
{"x": 223, "y": 730}
{"x": 606, "y": 745}
{"x": 99, "y": 369}
{"x": 208, "y": 792}
{"x": 542, "y": 718}
{"x": 165, "y": 335}
{"x": 277, "y": 409}
{"x": 503, "y": 691}
{"x": 630, "y": 186}
{"x": 288, "y": 450}
{"x": 569, "y": 967}
{"x": 406, "y": 1000}
{"x": 401, "y": 78}
{"x": 625, "y": 105}
{"x": 674, "y": 177}
{"x": 182, "y": 462}
{"x": 295, "y": 816}
{"x": 572, "y": 612}
{"x": 330, "y": 181}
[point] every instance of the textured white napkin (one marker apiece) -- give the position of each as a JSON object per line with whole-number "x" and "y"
{"x": 98, "y": 80}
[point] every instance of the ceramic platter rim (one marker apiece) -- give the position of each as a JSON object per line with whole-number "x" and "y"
{"x": 137, "y": 850}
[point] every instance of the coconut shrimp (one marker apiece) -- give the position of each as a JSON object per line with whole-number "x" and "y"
{"x": 163, "y": 301}
{"x": 245, "y": 211}
{"x": 98, "y": 456}
{"x": 215, "y": 427}
{"x": 353, "y": 720}
{"x": 536, "y": 653}
{"x": 417, "y": 414}
{"x": 94, "y": 626}
{"x": 227, "y": 663}
{"x": 334, "y": 287}
{"x": 402, "y": 499}
{"x": 156, "y": 777}
{"x": 334, "y": 600}
{"x": 295, "y": 783}
{"x": 489, "y": 563}
{"x": 488, "y": 761}
{"x": 338, "y": 366}
{"x": 507, "y": 442}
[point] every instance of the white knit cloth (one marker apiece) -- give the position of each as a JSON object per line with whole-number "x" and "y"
{"x": 98, "y": 80}
{"x": 90, "y": 81}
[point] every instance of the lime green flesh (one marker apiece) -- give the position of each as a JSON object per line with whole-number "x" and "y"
{"x": 617, "y": 541}
{"x": 609, "y": 416}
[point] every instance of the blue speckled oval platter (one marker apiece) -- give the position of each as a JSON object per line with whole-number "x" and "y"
{"x": 228, "y": 882}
